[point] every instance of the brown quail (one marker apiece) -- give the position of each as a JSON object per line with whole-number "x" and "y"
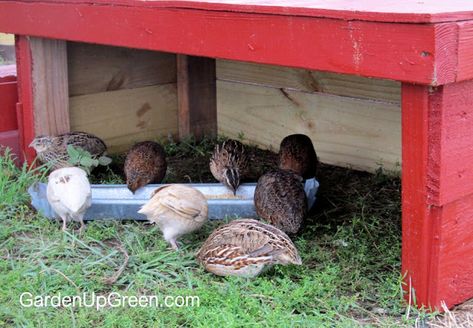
{"x": 245, "y": 248}
{"x": 53, "y": 149}
{"x": 280, "y": 200}
{"x": 229, "y": 163}
{"x": 145, "y": 163}
{"x": 297, "y": 154}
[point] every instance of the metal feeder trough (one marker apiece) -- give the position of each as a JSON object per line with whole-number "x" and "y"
{"x": 116, "y": 202}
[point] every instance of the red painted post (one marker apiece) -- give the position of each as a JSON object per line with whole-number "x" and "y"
{"x": 437, "y": 194}
{"x": 25, "y": 95}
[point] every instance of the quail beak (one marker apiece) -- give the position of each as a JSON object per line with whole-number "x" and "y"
{"x": 31, "y": 144}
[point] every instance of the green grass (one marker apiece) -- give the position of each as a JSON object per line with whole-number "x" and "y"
{"x": 350, "y": 274}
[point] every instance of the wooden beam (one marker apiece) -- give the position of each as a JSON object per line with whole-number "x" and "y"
{"x": 309, "y": 81}
{"x": 416, "y": 53}
{"x": 197, "y": 100}
{"x": 50, "y": 86}
{"x": 437, "y": 194}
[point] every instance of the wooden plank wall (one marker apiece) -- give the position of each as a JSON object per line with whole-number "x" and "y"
{"x": 126, "y": 95}
{"x": 353, "y": 121}
{"x": 122, "y": 95}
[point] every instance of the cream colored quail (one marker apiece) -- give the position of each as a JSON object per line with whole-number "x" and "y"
{"x": 229, "y": 163}
{"x": 145, "y": 163}
{"x": 53, "y": 149}
{"x": 297, "y": 154}
{"x": 69, "y": 194}
{"x": 280, "y": 200}
{"x": 177, "y": 210}
{"x": 245, "y": 247}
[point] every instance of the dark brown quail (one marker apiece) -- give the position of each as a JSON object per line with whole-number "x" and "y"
{"x": 53, "y": 149}
{"x": 145, "y": 163}
{"x": 297, "y": 154}
{"x": 280, "y": 200}
{"x": 245, "y": 248}
{"x": 229, "y": 163}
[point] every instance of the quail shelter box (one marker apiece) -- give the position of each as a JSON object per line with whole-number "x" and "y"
{"x": 371, "y": 82}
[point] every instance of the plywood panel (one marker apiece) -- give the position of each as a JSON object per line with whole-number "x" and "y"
{"x": 124, "y": 117}
{"x": 349, "y": 132}
{"x": 311, "y": 81}
{"x": 96, "y": 68}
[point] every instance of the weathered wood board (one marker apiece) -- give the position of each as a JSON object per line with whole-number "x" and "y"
{"x": 358, "y": 133}
{"x": 123, "y": 117}
{"x": 309, "y": 81}
{"x": 50, "y": 79}
{"x": 96, "y": 68}
{"x": 350, "y": 132}
{"x": 122, "y": 95}
{"x": 197, "y": 108}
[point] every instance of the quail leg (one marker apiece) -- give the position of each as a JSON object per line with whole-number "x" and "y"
{"x": 63, "y": 224}
{"x": 174, "y": 244}
{"x": 82, "y": 226}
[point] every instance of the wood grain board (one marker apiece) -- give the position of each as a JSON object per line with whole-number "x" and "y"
{"x": 197, "y": 108}
{"x": 427, "y": 11}
{"x": 97, "y": 68}
{"x": 50, "y": 81}
{"x": 123, "y": 117}
{"x": 465, "y": 49}
{"x": 405, "y": 52}
{"x": 437, "y": 198}
{"x": 451, "y": 126}
{"x": 452, "y": 272}
{"x": 362, "y": 134}
{"x": 309, "y": 81}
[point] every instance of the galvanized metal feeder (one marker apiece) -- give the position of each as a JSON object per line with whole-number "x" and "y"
{"x": 116, "y": 202}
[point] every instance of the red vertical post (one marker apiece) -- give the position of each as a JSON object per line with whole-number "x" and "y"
{"x": 437, "y": 195}
{"x": 25, "y": 95}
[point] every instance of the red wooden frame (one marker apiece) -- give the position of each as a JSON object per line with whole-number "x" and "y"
{"x": 427, "y": 45}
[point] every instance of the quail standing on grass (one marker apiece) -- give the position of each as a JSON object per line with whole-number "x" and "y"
{"x": 229, "y": 163}
{"x": 145, "y": 163}
{"x": 297, "y": 154}
{"x": 177, "y": 210}
{"x": 69, "y": 194}
{"x": 245, "y": 247}
{"x": 280, "y": 200}
{"x": 53, "y": 149}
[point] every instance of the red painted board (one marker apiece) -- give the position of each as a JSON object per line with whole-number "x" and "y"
{"x": 452, "y": 273}
{"x": 405, "y": 52}
{"x": 451, "y": 139}
{"x": 437, "y": 194}
{"x": 25, "y": 112}
{"x": 465, "y": 50}
{"x": 407, "y": 11}
{"x": 416, "y": 224}
{"x": 10, "y": 139}
{"x": 8, "y": 100}
{"x": 7, "y": 73}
